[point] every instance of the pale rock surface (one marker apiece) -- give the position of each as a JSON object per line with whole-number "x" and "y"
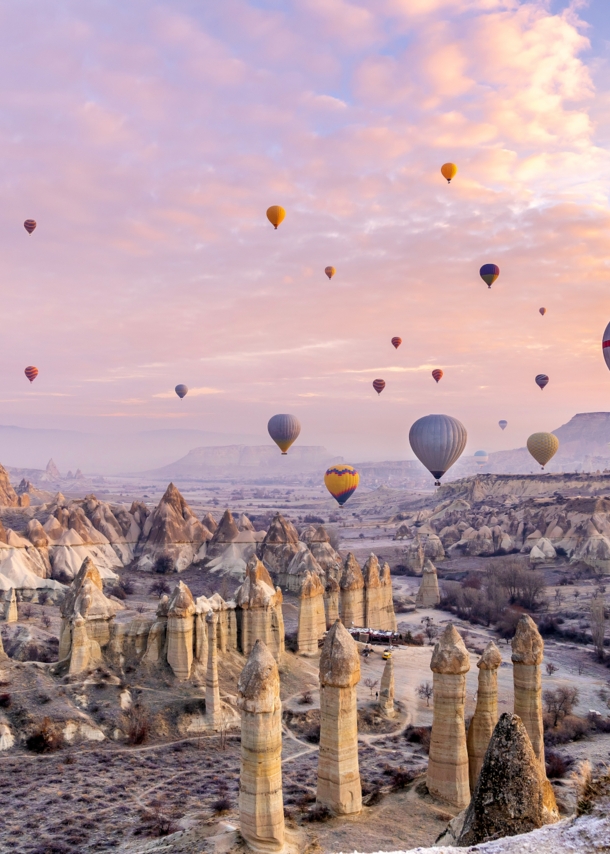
{"x": 543, "y": 551}
{"x": 157, "y": 636}
{"x": 180, "y": 629}
{"x": 279, "y": 545}
{"x": 312, "y": 620}
{"x": 510, "y": 795}
{"x": 259, "y": 610}
{"x": 414, "y": 557}
{"x": 261, "y": 807}
{"x": 386, "y": 690}
{"x": 388, "y": 616}
{"x": 373, "y": 594}
{"x": 448, "y": 759}
{"x": 11, "y": 614}
{"x": 302, "y": 564}
{"x": 172, "y": 530}
{"x": 7, "y": 739}
{"x": 331, "y": 602}
{"x": 527, "y": 656}
{"x": 209, "y": 522}
{"x": 351, "y": 598}
{"x": 428, "y": 594}
{"x": 339, "y": 787}
{"x": 8, "y": 496}
{"x": 213, "y": 711}
{"x": 485, "y": 717}
{"x": 17, "y": 570}
{"x": 327, "y": 558}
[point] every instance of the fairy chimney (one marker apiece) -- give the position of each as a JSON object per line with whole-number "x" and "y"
{"x": 428, "y": 594}
{"x": 212, "y": 691}
{"x": 259, "y": 610}
{"x": 180, "y": 626}
{"x": 261, "y": 807}
{"x": 485, "y": 717}
{"x": 386, "y": 690}
{"x": 372, "y": 593}
{"x": 351, "y": 599}
{"x": 448, "y": 759}
{"x": 157, "y": 636}
{"x": 528, "y": 652}
{"x": 331, "y": 602}
{"x": 312, "y": 622}
{"x": 339, "y": 786}
{"x": 280, "y": 544}
{"x": 388, "y": 616}
{"x": 11, "y": 614}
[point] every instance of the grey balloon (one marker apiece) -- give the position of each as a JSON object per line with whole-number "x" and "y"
{"x": 181, "y": 390}
{"x": 438, "y": 442}
{"x": 284, "y": 429}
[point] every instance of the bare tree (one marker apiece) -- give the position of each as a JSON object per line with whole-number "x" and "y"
{"x": 560, "y": 702}
{"x": 371, "y": 684}
{"x": 598, "y": 625}
{"x": 26, "y": 611}
{"x": 551, "y": 668}
{"x": 430, "y": 629}
{"x": 425, "y": 691}
{"x": 45, "y": 620}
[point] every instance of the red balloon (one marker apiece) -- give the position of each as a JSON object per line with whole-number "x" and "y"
{"x": 379, "y": 385}
{"x": 29, "y": 225}
{"x": 397, "y": 342}
{"x": 31, "y": 373}
{"x": 437, "y": 374}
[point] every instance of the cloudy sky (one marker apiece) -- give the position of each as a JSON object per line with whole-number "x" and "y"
{"x": 148, "y": 139}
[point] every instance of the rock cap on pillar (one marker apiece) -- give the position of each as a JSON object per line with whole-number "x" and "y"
{"x": 311, "y": 586}
{"x": 450, "y": 655}
{"x": 259, "y": 682}
{"x": 491, "y": 658}
{"x": 339, "y": 661}
{"x": 527, "y": 644}
{"x": 181, "y": 602}
{"x": 351, "y": 577}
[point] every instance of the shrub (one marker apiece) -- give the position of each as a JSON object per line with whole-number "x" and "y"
{"x": 560, "y": 702}
{"x": 127, "y": 585}
{"x": 401, "y": 778}
{"x": 571, "y": 728}
{"x": 310, "y": 519}
{"x": 163, "y": 564}
{"x": 419, "y": 735}
{"x": 319, "y": 812}
{"x": 45, "y": 738}
{"x": 159, "y": 588}
{"x": 221, "y": 805}
{"x": 195, "y": 706}
{"x": 118, "y": 592}
{"x": 5, "y": 701}
{"x": 137, "y": 724}
{"x": 305, "y": 699}
{"x": 557, "y": 766}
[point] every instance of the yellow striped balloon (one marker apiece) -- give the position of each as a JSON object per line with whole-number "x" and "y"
{"x": 341, "y": 481}
{"x": 543, "y": 447}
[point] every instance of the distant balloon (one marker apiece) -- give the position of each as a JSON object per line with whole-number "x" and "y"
{"x": 379, "y": 385}
{"x": 31, "y": 373}
{"x": 284, "y": 430}
{"x": 330, "y": 271}
{"x": 275, "y": 215}
{"x": 606, "y": 346}
{"x": 341, "y": 481}
{"x": 542, "y": 380}
{"x": 542, "y": 447}
{"x": 29, "y": 225}
{"x": 396, "y": 341}
{"x": 503, "y": 424}
{"x": 542, "y": 311}
{"x": 449, "y": 171}
{"x": 181, "y": 390}
{"x": 438, "y": 442}
{"x": 489, "y": 273}
{"x": 437, "y": 374}
{"x": 481, "y": 457}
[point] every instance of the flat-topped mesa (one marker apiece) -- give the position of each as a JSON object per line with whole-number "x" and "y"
{"x": 280, "y": 545}
{"x": 351, "y": 599}
{"x": 85, "y": 600}
{"x": 527, "y": 656}
{"x": 428, "y": 594}
{"x": 261, "y": 807}
{"x": 312, "y": 621}
{"x": 180, "y": 630}
{"x": 259, "y": 610}
{"x": 11, "y": 614}
{"x": 512, "y": 793}
{"x": 302, "y": 563}
{"x": 485, "y": 717}
{"x": 386, "y": 690}
{"x": 213, "y": 709}
{"x": 373, "y": 595}
{"x": 331, "y": 602}
{"x": 339, "y": 787}
{"x": 448, "y": 760}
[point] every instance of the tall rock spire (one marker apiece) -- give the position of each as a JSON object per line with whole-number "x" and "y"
{"x": 486, "y": 714}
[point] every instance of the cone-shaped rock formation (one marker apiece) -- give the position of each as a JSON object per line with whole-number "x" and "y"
{"x": 485, "y": 717}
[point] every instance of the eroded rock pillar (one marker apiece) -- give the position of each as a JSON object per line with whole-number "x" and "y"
{"x": 11, "y": 614}
{"x": 180, "y": 627}
{"x": 528, "y": 652}
{"x": 312, "y": 622}
{"x": 386, "y": 690}
{"x": 212, "y": 690}
{"x": 485, "y": 717}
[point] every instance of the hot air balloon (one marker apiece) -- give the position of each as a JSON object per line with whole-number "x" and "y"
{"x": 341, "y": 481}
{"x": 275, "y": 215}
{"x": 481, "y": 457}
{"x": 503, "y": 424}
{"x": 330, "y": 271}
{"x": 606, "y": 346}
{"x": 181, "y": 390}
{"x": 449, "y": 171}
{"x": 284, "y": 430}
{"x": 379, "y": 385}
{"x": 437, "y": 441}
{"x": 437, "y": 374}
{"x": 31, "y": 373}
{"x": 29, "y": 225}
{"x": 542, "y": 447}
{"x": 489, "y": 273}
{"x": 542, "y": 380}
{"x": 396, "y": 341}
{"x": 542, "y": 311}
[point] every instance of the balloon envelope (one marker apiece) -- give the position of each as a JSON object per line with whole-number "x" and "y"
{"x": 396, "y": 341}
{"x": 341, "y": 481}
{"x": 275, "y": 215}
{"x": 31, "y": 373}
{"x": 29, "y": 225}
{"x": 481, "y": 457}
{"x": 437, "y": 374}
{"x": 606, "y": 346}
{"x": 181, "y": 390}
{"x": 330, "y": 271}
{"x": 379, "y": 385}
{"x": 542, "y": 311}
{"x": 542, "y": 380}
{"x": 542, "y": 447}
{"x": 284, "y": 430}
{"x": 503, "y": 424}
{"x": 438, "y": 441}
{"x": 449, "y": 171}
{"x": 489, "y": 273}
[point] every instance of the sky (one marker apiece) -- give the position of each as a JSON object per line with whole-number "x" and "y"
{"x": 148, "y": 139}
